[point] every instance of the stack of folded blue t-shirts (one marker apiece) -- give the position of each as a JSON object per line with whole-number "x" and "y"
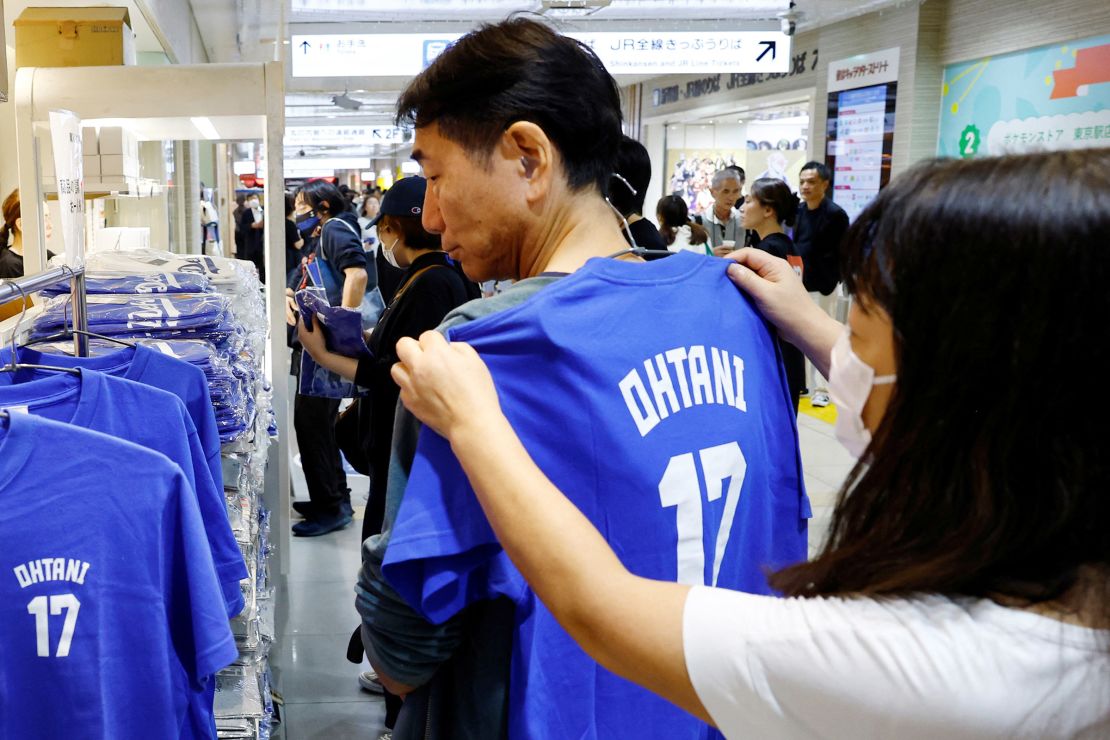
{"x": 127, "y": 283}
{"x": 229, "y": 394}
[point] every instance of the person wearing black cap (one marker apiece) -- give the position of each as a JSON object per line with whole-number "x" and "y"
{"x": 430, "y": 287}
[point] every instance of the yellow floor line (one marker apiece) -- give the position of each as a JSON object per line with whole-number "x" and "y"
{"x": 826, "y": 414}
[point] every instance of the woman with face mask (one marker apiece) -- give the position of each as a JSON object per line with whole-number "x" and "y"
{"x": 964, "y": 588}
{"x": 430, "y": 286}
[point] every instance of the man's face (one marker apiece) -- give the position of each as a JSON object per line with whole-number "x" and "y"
{"x": 811, "y": 187}
{"x": 471, "y": 204}
{"x": 725, "y": 196}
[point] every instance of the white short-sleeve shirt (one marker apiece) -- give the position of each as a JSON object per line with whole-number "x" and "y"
{"x": 922, "y": 668}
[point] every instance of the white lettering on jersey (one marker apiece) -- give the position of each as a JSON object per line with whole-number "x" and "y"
{"x": 700, "y": 376}
{"x": 51, "y": 569}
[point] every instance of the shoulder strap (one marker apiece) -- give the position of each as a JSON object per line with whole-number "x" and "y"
{"x": 416, "y": 275}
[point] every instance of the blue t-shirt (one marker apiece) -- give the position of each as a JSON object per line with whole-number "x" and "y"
{"x": 653, "y": 396}
{"x": 148, "y": 367}
{"x": 110, "y": 611}
{"x": 150, "y": 418}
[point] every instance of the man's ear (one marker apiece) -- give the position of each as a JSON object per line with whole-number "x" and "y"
{"x": 528, "y": 146}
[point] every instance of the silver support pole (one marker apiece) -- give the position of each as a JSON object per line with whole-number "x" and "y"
{"x": 80, "y": 315}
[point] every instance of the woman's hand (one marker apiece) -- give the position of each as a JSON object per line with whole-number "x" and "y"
{"x": 311, "y": 338}
{"x": 782, "y": 299}
{"x": 445, "y": 384}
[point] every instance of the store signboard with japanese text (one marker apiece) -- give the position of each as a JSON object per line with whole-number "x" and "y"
{"x": 622, "y": 52}
{"x": 859, "y": 131}
{"x": 1049, "y": 98}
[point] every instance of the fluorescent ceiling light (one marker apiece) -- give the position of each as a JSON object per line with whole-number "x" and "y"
{"x": 784, "y": 121}
{"x": 204, "y": 125}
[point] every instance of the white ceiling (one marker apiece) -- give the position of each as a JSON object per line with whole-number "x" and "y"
{"x": 254, "y": 30}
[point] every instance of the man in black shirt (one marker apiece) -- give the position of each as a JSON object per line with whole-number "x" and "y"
{"x": 818, "y": 232}
{"x": 820, "y": 227}
{"x": 627, "y": 191}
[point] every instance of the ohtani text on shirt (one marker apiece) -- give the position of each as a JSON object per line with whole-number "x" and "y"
{"x": 51, "y": 569}
{"x": 679, "y": 379}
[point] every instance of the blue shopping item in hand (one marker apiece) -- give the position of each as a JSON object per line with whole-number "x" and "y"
{"x": 653, "y": 396}
{"x": 342, "y": 329}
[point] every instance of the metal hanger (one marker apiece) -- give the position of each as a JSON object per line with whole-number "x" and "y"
{"x": 635, "y": 248}
{"x": 70, "y": 332}
{"x": 14, "y": 365}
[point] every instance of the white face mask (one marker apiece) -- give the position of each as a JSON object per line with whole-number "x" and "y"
{"x": 850, "y": 383}
{"x": 387, "y": 252}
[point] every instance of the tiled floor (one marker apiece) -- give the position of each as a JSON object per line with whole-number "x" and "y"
{"x": 320, "y": 688}
{"x": 322, "y": 697}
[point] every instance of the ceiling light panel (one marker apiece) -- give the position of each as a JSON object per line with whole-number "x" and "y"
{"x": 308, "y": 11}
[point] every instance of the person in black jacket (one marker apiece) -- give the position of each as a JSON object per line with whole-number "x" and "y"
{"x": 769, "y": 205}
{"x": 820, "y": 229}
{"x": 821, "y": 225}
{"x": 430, "y": 287}
{"x": 346, "y": 274}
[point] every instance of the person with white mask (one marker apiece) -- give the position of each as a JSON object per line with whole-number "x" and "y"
{"x": 430, "y": 287}
{"x": 963, "y": 589}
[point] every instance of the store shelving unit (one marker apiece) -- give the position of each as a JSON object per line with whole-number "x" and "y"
{"x": 224, "y": 102}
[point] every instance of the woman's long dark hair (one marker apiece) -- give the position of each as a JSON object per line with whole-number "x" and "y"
{"x": 673, "y": 214}
{"x": 988, "y": 474}
{"x": 775, "y": 194}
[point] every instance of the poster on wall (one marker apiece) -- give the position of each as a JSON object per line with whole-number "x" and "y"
{"x": 1049, "y": 98}
{"x": 859, "y": 131}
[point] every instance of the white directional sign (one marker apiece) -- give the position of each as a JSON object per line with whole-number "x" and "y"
{"x": 631, "y": 52}
{"x": 342, "y": 135}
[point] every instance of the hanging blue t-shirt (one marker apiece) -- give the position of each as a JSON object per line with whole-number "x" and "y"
{"x": 110, "y": 611}
{"x": 150, "y": 418}
{"x": 653, "y": 396}
{"x": 146, "y": 366}
{"x": 116, "y": 314}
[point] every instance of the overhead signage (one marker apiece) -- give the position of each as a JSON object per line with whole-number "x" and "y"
{"x": 343, "y": 135}
{"x": 802, "y": 64}
{"x": 631, "y": 52}
{"x": 864, "y": 70}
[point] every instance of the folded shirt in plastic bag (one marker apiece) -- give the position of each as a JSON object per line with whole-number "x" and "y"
{"x": 124, "y": 282}
{"x": 342, "y": 328}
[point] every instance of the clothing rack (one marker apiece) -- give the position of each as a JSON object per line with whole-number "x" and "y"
{"x": 24, "y": 286}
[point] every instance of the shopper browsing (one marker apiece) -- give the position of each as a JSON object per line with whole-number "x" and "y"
{"x": 11, "y": 237}
{"x": 678, "y": 231}
{"x": 722, "y": 221}
{"x": 817, "y": 236}
{"x": 517, "y": 170}
{"x": 963, "y": 588}
{"x": 344, "y": 268}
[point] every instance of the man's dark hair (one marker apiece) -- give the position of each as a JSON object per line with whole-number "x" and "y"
{"x": 412, "y": 231}
{"x": 521, "y": 70}
{"x": 970, "y": 487}
{"x": 634, "y": 165}
{"x": 323, "y": 197}
{"x": 820, "y": 168}
{"x": 738, "y": 170}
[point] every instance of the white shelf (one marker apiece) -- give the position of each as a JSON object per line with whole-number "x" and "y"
{"x": 175, "y": 103}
